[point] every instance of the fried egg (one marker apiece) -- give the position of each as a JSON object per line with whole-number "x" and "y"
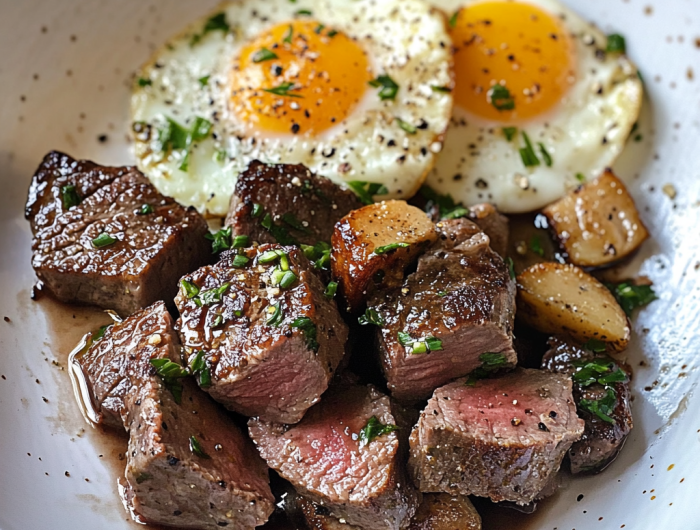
{"x": 540, "y": 105}
{"x": 357, "y": 91}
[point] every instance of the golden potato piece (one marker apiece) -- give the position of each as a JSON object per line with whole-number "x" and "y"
{"x": 556, "y": 298}
{"x": 597, "y": 223}
{"x": 441, "y": 511}
{"x": 373, "y": 245}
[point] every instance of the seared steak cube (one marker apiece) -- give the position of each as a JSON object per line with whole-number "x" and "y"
{"x": 188, "y": 465}
{"x": 440, "y": 511}
{"x": 458, "y": 305}
{"x": 607, "y": 427}
{"x": 294, "y": 205}
{"x": 271, "y": 337}
{"x": 500, "y": 438}
{"x": 344, "y": 455}
{"x": 318, "y": 517}
{"x": 104, "y": 236}
{"x": 492, "y": 223}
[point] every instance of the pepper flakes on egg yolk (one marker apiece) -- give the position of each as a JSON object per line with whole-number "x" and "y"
{"x": 298, "y": 77}
{"x": 515, "y": 45}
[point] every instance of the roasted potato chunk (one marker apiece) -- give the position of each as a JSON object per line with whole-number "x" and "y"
{"x": 556, "y": 298}
{"x": 373, "y": 245}
{"x": 598, "y": 223}
{"x": 441, "y": 511}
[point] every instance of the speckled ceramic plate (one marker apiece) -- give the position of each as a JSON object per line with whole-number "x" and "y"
{"x": 64, "y": 84}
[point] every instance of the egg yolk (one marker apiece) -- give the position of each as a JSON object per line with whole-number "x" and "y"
{"x": 301, "y": 77}
{"x": 513, "y": 61}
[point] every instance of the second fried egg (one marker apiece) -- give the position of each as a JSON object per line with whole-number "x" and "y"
{"x": 357, "y": 91}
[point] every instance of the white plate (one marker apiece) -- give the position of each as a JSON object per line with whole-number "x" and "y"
{"x": 64, "y": 77}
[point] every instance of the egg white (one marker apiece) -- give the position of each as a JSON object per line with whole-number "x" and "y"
{"x": 405, "y": 39}
{"x": 584, "y": 133}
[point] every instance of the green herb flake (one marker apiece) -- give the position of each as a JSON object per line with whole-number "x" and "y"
{"x": 433, "y": 343}
{"x": 288, "y": 36}
{"x": 263, "y": 54}
{"x": 332, "y": 33}
{"x": 221, "y": 240}
{"x": 308, "y": 329}
{"x": 595, "y": 345}
{"x": 490, "y": 362}
{"x": 204, "y": 81}
{"x": 441, "y": 89}
{"x": 371, "y": 316}
{"x": 331, "y": 289}
{"x": 196, "y": 448}
{"x": 500, "y": 97}
{"x": 374, "y": 429}
{"x": 200, "y": 129}
{"x": 257, "y": 210}
{"x": 280, "y": 233}
{"x": 318, "y": 29}
{"x": 366, "y": 191}
{"x": 191, "y": 290}
{"x": 410, "y": 129}
{"x": 143, "y": 82}
{"x": 602, "y": 407}
{"x": 616, "y": 44}
{"x": 580, "y": 177}
{"x": 631, "y": 296}
{"x": 448, "y": 208}
{"x": 509, "y": 132}
{"x": 69, "y": 196}
{"x": 303, "y": 12}
{"x": 198, "y": 364}
{"x": 215, "y": 23}
{"x": 145, "y": 209}
{"x": 240, "y": 241}
{"x": 453, "y": 19}
{"x": 213, "y": 296}
{"x": 171, "y": 373}
{"x": 288, "y": 279}
{"x": 527, "y": 153}
{"x": 97, "y": 335}
{"x": 536, "y": 245}
{"x": 319, "y": 254}
{"x": 283, "y": 90}
{"x": 275, "y": 316}
{"x": 511, "y": 268}
{"x": 103, "y": 240}
{"x": 404, "y": 338}
{"x": 239, "y": 261}
{"x": 545, "y": 154}
{"x": 390, "y": 247}
{"x": 292, "y": 220}
{"x": 388, "y": 86}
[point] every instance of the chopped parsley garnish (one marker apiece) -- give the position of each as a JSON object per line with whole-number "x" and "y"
{"x": 449, "y": 209}
{"x": 631, "y": 296}
{"x": 389, "y": 88}
{"x": 218, "y": 320}
{"x": 215, "y": 23}
{"x": 212, "y": 296}
{"x": 616, "y": 44}
{"x": 318, "y": 254}
{"x": 288, "y": 37}
{"x": 318, "y": 29}
{"x": 145, "y": 209}
{"x": 204, "y": 81}
{"x": 198, "y": 367}
{"x": 142, "y": 82}
{"x": 410, "y": 129}
{"x": 304, "y": 12}
{"x": 602, "y": 407}
{"x": 545, "y": 155}
{"x": 239, "y": 261}
{"x": 536, "y": 245}
{"x": 511, "y": 268}
{"x": 171, "y": 373}
{"x": 370, "y": 317}
{"x": 103, "y": 240}
{"x": 283, "y": 90}
{"x": 292, "y": 220}
{"x": 280, "y": 233}
{"x": 173, "y": 136}
{"x": 510, "y": 132}
{"x": 275, "y": 316}
{"x": 388, "y": 248}
{"x": 580, "y": 177}
{"x": 442, "y": 89}
{"x": 424, "y": 345}
{"x": 97, "y": 335}
{"x": 69, "y": 196}
{"x": 527, "y": 153}
{"x": 490, "y": 362}
{"x": 221, "y": 240}
{"x": 374, "y": 429}
{"x": 366, "y": 191}
{"x": 501, "y": 99}
{"x": 331, "y": 289}
{"x": 191, "y": 290}
{"x": 308, "y": 329}
{"x": 332, "y": 33}
{"x": 598, "y": 370}
{"x": 263, "y": 54}
{"x": 453, "y": 19}
{"x": 196, "y": 448}
{"x": 257, "y": 210}
{"x": 595, "y": 345}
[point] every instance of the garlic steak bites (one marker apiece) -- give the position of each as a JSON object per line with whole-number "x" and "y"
{"x": 188, "y": 465}
{"x": 270, "y": 336}
{"x": 356, "y": 91}
{"x": 104, "y": 236}
{"x": 345, "y": 455}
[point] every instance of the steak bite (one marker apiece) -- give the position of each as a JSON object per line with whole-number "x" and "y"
{"x": 501, "y": 438}
{"x": 440, "y": 511}
{"x": 344, "y": 455}
{"x": 458, "y": 305}
{"x": 188, "y": 465}
{"x": 302, "y": 207}
{"x": 104, "y": 236}
{"x": 270, "y": 336}
{"x": 604, "y": 407}
{"x": 492, "y": 223}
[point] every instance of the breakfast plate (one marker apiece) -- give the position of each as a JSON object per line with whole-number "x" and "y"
{"x": 67, "y": 70}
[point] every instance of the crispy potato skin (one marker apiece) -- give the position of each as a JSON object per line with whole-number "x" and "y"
{"x": 556, "y": 298}
{"x": 442, "y": 511}
{"x": 597, "y": 224}
{"x": 355, "y": 265}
